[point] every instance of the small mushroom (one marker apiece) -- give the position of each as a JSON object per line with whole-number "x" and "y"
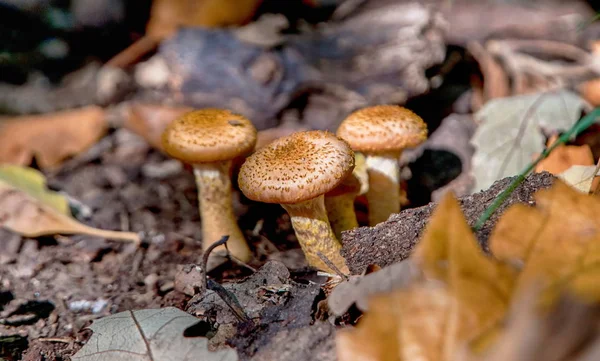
{"x": 209, "y": 139}
{"x": 382, "y": 132}
{"x": 339, "y": 202}
{"x": 296, "y": 171}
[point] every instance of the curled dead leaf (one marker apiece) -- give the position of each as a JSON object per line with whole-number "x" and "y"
{"x": 465, "y": 294}
{"x": 50, "y": 138}
{"x": 27, "y": 207}
{"x": 556, "y": 242}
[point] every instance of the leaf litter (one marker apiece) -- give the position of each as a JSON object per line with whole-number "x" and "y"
{"x": 550, "y": 250}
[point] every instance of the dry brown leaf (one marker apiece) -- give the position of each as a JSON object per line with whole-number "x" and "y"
{"x": 404, "y": 325}
{"x": 590, "y": 91}
{"x": 556, "y": 242}
{"x": 566, "y": 331}
{"x": 466, "y": 295}
{"x": 168, "y": 15}
{"x": 27, "y": 207}
{"x": 565, "y": 156}
{"x": 150, "y": 120}
{"x": 50, "y": 138}
{"x": 448, "y": 251}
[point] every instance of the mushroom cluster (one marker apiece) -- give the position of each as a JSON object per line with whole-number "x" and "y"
{"x": 314, "y": 175}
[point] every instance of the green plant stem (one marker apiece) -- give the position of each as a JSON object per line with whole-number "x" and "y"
{"x": 572, "y": 133}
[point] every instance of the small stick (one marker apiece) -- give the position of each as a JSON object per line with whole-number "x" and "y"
{"x": 218, "y": 243}
{"x": 56, "y": 339}
{"x": 331, "y": 265}
{"x": 229, "y": 299}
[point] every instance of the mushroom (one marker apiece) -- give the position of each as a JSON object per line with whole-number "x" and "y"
{"x": 382, "y": 132}
{"x": 339, "y": 202}
{"x": 209, "y": 139}
{"x": 296, "y": 171}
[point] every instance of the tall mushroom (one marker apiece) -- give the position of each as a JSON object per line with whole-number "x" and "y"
{"x": 295, "y": 171}
{"x": 209, "y": 139}
{"x": 382, "y": 132}
{"x": 339, "y": 202}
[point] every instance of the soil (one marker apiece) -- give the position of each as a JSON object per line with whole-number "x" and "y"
{"x": 393, "y": 240}
{"x": 53, "y": 287}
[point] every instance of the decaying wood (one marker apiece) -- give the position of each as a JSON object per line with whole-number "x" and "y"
{"x": 392, "y": 241}
{"x": 373, "y": 56}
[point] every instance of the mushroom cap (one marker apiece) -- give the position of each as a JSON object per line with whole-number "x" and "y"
{"x": 296, "y": 168}
{"x": 209, "y": 135}
{"x": 383, "y": 128}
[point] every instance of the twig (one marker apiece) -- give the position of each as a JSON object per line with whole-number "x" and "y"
{"x": 240, "y": 262}
{"x": 56, "y": 339}
{"x": 572, "y": 133}
{"x": 229, "y": 299}
{"x": 218, "y": 243}
{"x": 331, "y": 265}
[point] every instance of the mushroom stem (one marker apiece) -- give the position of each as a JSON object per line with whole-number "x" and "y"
{"x": 216, "y": 210}
{"x": 310, "y": 222}
{"x": 340, "y": 211}
{"x": 384, "y": 186}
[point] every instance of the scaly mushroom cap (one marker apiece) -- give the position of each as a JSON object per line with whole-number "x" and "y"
{"x": 296, "y": 168}
{"x": 383, "y": 128}
{"x": 209, "y": 135}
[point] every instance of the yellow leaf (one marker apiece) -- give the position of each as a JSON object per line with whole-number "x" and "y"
{"x": 565, "y": 156}
{"x": 556, "y": 242}
{"x": 51, "y": 138}
{"x": 448, "y": 251}
{"x": 464, "y": 296}
{"x": 403, "y": 325}
{"x": 30, "y": 209}
{"x": 167, "y": 16}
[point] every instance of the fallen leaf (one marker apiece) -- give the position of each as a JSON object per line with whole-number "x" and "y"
{"x": 27, "y": 207}
{"x": 580, "y": 177}
{"x": 590, "y": 91}
{"x": 556, "y": 242}
{"x": 464, "y": 295}
{"x": 482, "y": 286}
{"x": 152, "y": 334}
{"x": 167, "y": 16}
{"x": 359, "y": 289}
{"x": 564, "y": 156}
{"x": 407, "y": 324}
{"x": 150, "y": 120}
{"x": 511, "y": 131}
{"x": 567, "y": 331}
{"x": 50, "y": 138}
